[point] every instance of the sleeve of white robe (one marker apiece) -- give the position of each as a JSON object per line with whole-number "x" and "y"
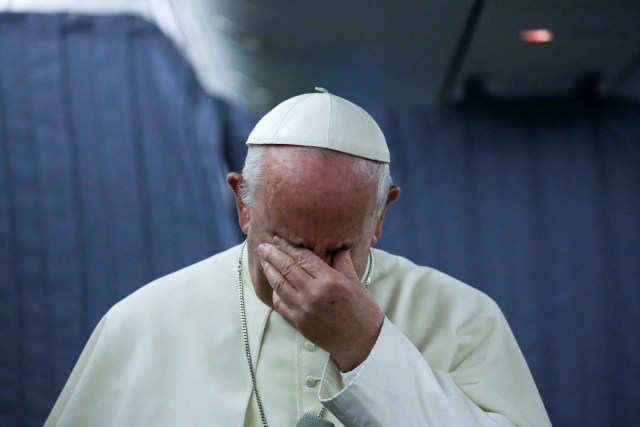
{"x": 396, "y": 386}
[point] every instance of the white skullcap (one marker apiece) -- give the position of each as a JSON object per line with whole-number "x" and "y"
{"x": 322, "y": 120}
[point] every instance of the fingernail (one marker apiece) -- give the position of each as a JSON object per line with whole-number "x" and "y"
{"x": 277, "y": 240}
{"x": 261, "y": 249}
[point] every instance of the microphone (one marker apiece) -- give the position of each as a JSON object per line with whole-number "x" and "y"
{"x": 312, "y": 420}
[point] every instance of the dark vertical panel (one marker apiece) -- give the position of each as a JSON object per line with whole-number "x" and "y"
{"x": 488, "y": 209}
{"x": 60, "y": 285}
{"x": 123, "y": 197}
{"x": 452, "y": 170}
{"x": 30, "y": 233}
{"x": 91, "y": 150}
{"x": 524, "y": 291}
{"x": 619, "y": 155}
{"x": 155, "y": 148}
{"x": 557, "y": 211}
{"x": 118, "y": 198}
{"x": 588, "y": 275}
{"x": 178, "y": 152}
{"x": 11, "y": 327}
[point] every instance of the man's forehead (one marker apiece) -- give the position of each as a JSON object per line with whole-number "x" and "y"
{"x": 302, "y": 153}
{"x": 298, "y": 164}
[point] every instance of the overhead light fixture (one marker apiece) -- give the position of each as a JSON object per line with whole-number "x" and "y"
{"x": 540, "y": 35}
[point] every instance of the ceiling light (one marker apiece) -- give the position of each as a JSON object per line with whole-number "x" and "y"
{"x": 536, "y": 36}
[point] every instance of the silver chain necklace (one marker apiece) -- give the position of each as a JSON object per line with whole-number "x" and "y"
{"x": 308, "y": 419}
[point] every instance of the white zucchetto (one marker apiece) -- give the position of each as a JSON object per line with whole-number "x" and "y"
{"x": 322, "y": 120}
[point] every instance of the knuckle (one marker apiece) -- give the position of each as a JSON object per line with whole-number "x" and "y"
{"x": 316, "y": 295}
{"x": 317, "y": 303}
{"x": 308, "y": 306}
{"x": 279, "y": 284}
{"x": 288, "y": 268}
{"x": 305, "y": 258}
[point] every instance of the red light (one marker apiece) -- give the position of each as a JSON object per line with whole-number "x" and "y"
{"x": 536, "y": 36}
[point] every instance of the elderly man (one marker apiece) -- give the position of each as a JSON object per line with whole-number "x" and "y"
{"x": 305, "y": 324}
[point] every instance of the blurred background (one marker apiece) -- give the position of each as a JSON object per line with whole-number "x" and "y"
{"x": 514, "y": 130}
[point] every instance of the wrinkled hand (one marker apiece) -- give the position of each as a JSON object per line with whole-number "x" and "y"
{"x": 327, "y": 304}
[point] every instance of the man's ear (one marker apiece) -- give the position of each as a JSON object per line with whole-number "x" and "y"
{"x": 235, "y": 180}
{"x": 394, "y": 193}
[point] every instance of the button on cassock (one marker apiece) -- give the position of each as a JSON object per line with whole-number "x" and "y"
{"x": 310, "y": 381}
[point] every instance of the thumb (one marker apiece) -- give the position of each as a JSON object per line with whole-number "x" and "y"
{"x": 342, "y": 262}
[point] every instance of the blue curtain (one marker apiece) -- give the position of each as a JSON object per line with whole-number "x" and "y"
{"x": 112, "y": 164}
{"x": 536, "y": 203}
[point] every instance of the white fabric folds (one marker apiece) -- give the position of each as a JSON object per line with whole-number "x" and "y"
{"x": 172, "y": 354}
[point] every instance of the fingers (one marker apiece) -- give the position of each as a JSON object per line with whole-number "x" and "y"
{"x": 305, "y": 258}
{"x": 299, "y": 265}
{"x": 281, "y": 306}
{"x": 285, "y": 275}
{"x": 281, "y": 286}
{"x": 284, "y": 263}
{"x": 342, "y": 262}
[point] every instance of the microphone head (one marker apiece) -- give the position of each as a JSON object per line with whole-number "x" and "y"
{"x": 312, "y": 420}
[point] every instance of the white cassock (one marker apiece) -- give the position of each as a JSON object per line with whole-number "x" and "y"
{"x": 172, "y": 354}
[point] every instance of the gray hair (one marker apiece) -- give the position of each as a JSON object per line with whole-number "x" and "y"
{"x": 252, "y": 176}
